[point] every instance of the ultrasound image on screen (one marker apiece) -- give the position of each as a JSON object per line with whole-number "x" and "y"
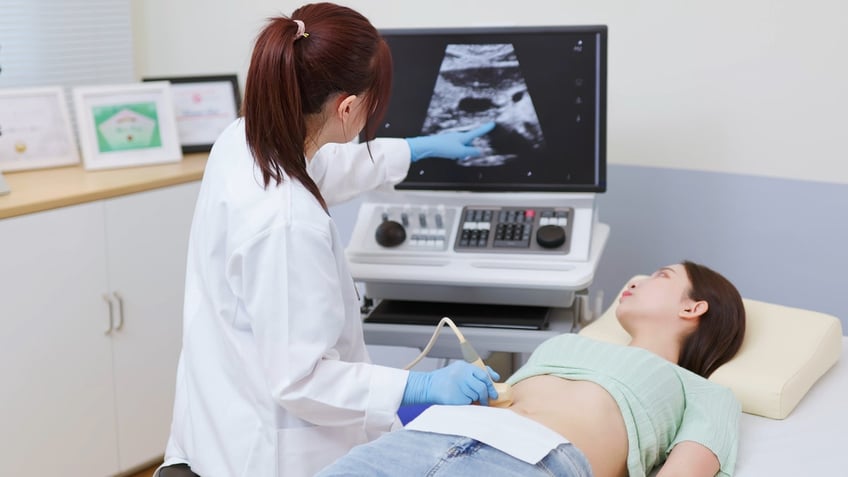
{"x": 480, "y": 83}
{"x": 545, "y": 89}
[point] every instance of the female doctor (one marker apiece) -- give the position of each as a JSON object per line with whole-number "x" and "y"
{"x": 274, "y": 378}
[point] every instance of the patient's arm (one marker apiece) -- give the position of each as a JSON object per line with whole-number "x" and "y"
{"x": 690, "y": 459}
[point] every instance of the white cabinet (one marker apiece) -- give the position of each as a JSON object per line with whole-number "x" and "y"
{"x": 81, "y": 395}
{"x": 146, "y": 242}
{"x": 57, "y": 397}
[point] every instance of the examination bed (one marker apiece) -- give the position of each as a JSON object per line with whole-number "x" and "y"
{"x": 791, "y": 376}
{"x": 812, "y": 440}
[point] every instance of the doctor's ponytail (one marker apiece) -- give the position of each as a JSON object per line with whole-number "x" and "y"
{"x": 298, "y": 63}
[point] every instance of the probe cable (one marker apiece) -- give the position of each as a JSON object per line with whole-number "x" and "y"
{"x": 468, "y": 353}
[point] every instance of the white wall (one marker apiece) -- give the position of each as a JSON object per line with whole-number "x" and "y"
{"x": 754, "y": 87}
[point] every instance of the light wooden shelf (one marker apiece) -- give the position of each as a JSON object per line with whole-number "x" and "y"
{"x": 45, "y": 189}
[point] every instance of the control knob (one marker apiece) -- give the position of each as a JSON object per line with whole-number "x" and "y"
{"x": 550, "y": 236}
{"x": 390, "y": 233}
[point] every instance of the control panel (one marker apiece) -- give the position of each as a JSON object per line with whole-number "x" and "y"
{"x": 513, "y": 229}
{"x": 421, "y": 228}
{"x": 475, "y": 229}
{"x": 504, "y": 249}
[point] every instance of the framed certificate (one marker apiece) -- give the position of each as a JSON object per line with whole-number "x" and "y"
{"x": 205, "y": 106}
{"x": 35, "y": 129}
{"x": 126, "y": 125}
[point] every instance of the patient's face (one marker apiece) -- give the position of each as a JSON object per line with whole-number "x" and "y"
{"x": 657, "y": 298}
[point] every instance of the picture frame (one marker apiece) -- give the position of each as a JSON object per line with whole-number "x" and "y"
{"x": 126, "y": 125}
{"x": 205, "y": 106}
{"x": 35, "y": 129}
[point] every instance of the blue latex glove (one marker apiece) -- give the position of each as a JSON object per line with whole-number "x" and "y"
{"x": 451, "y": 145}
{"x": 457, "y": 383}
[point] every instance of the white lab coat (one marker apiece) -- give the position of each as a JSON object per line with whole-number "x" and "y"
{"x": 274, "y": 378}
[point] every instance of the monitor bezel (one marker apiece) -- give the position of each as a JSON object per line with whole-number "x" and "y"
{"x": 601, "y": 31}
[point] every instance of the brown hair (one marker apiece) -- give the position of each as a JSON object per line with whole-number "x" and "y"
{"x": 721, "y": 329}
{"x": 291, "y": 77}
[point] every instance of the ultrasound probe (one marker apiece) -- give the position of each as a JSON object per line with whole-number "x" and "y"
{"x": 470, "y": 355}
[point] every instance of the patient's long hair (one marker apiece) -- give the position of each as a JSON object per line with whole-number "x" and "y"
{"x": 721, "y": 329}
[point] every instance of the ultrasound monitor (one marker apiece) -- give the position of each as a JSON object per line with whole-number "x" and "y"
{"x": 544, "y": 87}
{"x": 517, "y": 225}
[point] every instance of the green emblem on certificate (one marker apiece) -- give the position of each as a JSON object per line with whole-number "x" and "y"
{"x": 124, "y": 127}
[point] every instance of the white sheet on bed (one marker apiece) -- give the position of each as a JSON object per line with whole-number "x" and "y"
{"x": 811, "y": 441}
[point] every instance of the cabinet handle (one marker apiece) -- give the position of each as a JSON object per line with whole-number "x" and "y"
{"x": 120, "y": 310}
{"x": 111, "y": 313}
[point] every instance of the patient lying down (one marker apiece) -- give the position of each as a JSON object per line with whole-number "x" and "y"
{"x": 588, "y": 408}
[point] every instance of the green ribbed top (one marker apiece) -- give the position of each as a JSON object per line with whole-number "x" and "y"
{"x": 661, "y": 403}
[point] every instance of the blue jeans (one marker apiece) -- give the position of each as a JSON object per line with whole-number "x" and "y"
{"x": 410, "y": 453}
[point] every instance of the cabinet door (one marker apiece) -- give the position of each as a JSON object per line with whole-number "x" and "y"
{"x": 57, "y": 399}
{"x": 147, "y": 238}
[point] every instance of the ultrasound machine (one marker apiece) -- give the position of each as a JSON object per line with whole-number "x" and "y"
{"x": 507, "y": 243}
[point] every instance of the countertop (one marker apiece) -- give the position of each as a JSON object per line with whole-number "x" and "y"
{"x": 44, "y": 189}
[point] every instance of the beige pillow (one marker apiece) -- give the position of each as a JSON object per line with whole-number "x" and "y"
{"x": 785, "y": 351}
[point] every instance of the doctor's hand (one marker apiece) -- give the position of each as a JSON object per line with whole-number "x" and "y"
{"x": 450, "y": 145}
{"x": 458, "y": 383}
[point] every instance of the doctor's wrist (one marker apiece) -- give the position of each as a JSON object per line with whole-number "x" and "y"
{"x": 417, "y": 386}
